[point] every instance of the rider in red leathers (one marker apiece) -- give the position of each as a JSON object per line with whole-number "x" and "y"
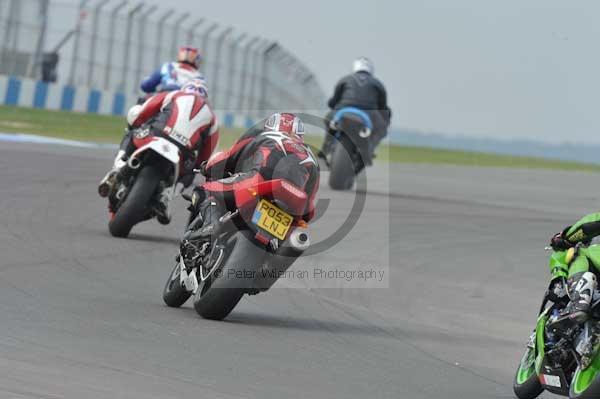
{"x": 278, "y": 151}
{"x": 184, "y": 118}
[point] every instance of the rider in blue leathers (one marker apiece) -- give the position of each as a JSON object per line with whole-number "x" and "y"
{"x": 173, "y": 75}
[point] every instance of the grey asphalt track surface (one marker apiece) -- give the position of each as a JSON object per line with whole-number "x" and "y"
{"x": 81, "y": 313}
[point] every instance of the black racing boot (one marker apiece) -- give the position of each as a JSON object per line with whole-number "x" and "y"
{"x": 163, "y": 215}
{"x": 581, "y": 292}
{"x": 108, "y": 181}
{"x": 326, "y": 147}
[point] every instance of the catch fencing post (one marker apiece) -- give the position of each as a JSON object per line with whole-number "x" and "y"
{"x": 39, "y": 47}
{"x": 161, "y": 23}
{"x": 229, "y": 81}
{"x": 245, "y": 74}
{"x": 263, "y": 87}
{"x": 10, "y": 20}
{"x": 80, "y": 17}
{"x": 16, "y": 22}
{"x": 253, "y": 93}
{"x": 217, "y": 64}
{"x": 93, "y": 44}
{"x": 126, "y": 50}
{"x": 142, "y": 40}
{"x": 192, "y": 31}
{"x": 111, "y": 42}
{"x": 176, "y": 27}
{"x": 280, "y": 59}
{"x": 294, "y": 70}
{"x": 205, "y": 36}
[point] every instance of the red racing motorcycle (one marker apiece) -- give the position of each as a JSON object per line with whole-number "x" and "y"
{"x": 151, "y": 171}
{"x": 251, "y": 246}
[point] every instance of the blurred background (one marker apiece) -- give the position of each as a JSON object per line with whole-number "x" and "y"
{"x": 113, "y": 45}
{"x": 505, "y": 77}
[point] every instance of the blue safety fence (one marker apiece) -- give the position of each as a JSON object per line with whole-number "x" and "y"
{"x": 37, "y": 94}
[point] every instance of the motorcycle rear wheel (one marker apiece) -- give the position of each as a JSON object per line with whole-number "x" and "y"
{"x": 136, "y": 206}
{"x": 219, "y": 294}
{"x": 341, "y": 173}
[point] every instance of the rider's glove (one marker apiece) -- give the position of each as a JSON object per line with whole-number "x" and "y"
{"x": 202, "y": 168}
{"x": 557, "y": 291}
{"x": 560, "y": 243}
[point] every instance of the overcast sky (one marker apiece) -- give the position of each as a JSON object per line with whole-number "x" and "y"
{"x": 503, "y": 68}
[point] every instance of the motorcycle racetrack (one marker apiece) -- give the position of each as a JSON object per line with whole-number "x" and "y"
{"x": 81, "y": 312}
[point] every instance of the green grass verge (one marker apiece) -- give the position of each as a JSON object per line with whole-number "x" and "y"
{"x": 109, "y": 129}
{"x": 404, "y": 154}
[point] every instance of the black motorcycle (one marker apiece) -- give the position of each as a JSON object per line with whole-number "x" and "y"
{"x": 351, "y": 150}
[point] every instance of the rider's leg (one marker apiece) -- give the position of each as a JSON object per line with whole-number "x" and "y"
{"x": 210, "y": 201}
{"x": 379, "y": 128}
{"x": 163, "y": 215}
{"x": 125, "y": 150}
{"x": 329, "y": 132}
{"x": 205, "y": 212}
{"x": 581, "y": 284}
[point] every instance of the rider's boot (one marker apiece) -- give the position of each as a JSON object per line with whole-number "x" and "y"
{"x": 202, "y": 228}
{"x": 327, "y": 143}
{"x": 108, "y": 181}
{"x": 163, "y": 215}
{"x": 577, "y": 311}
{"x": 210, "y": 212}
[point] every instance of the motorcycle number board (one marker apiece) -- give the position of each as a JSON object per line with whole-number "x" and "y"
{"x": 272, "y": 219}
{"x": 551, "y": 380}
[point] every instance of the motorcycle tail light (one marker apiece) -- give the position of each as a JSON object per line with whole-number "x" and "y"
{"x": 290, "y": 194}
{"x": 263, "y": 239}
{"x": 292, "y": 189}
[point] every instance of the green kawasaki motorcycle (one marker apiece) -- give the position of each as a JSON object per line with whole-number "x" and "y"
{"x": 566, "y": 361}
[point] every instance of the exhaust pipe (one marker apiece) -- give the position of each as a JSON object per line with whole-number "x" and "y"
{"x": 299, "y": 239}
{"x": 121, "y": 193}
{"x": 134, "y": 163}
{"x": 282, "y": 259}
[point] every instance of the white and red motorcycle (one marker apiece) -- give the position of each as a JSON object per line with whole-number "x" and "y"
{"x": 151, "y": 171}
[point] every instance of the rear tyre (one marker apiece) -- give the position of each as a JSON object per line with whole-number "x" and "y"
{"x": 526, "y": 384}
{"x": 136, "y": 206}
{"x": 218, "y": 295}
{"x": 175, "y": 294}
{"x": 216, "y": 303}
{"x": 341, "y": 173}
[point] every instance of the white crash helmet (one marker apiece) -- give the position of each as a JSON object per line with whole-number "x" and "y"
{"x": 363, "y": 64}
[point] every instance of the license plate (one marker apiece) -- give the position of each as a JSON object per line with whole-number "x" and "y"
{"x": 551, "y": 380}
{"x": 272, "y": 219}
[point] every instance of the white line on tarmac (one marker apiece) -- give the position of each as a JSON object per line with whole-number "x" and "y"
{"x": 31, "y": 138}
